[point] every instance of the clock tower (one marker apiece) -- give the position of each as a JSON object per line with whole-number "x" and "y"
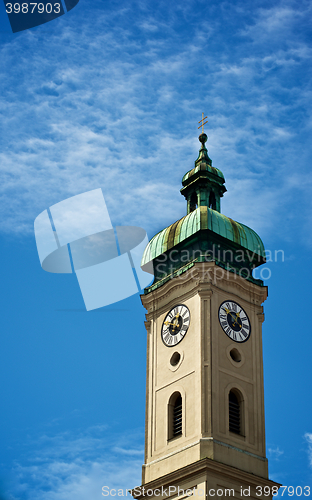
{"x": 205, "y": 429}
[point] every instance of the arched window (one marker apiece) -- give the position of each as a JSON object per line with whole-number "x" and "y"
{"x": 193, "y": 202}
{"x": 212, "y": 201}
{"x": 175, "y": 416}
{"x": 235, "y": 411}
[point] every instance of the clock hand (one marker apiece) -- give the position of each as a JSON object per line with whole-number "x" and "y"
{"x": 175, "y": 324}
{"x": 176, "y": 321}
{"x": 231, "y": 315}
{"x": 235, "y": 319}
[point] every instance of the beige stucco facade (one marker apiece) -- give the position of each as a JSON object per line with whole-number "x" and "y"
{"x": 204, "y": 376}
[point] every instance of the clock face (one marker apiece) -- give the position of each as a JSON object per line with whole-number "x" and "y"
{"x": 175, "y": 325}
{"x": 234, "y": 321}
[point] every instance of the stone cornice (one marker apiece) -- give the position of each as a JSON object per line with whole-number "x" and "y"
{"x": 206, "y": 466}
{"x": 202, "y": 278}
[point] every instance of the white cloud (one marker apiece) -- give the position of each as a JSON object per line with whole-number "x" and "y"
{"x": 66, "y": 466}
{"x": 308, "y": 438}
{"x": 275, "y": 22}
{"x": 131, "y": 452}
{"x": 101, "y": 107}
{"x": 275, "y": 453}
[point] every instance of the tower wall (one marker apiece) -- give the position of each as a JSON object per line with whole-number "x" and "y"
{"x": 204, "y": 376}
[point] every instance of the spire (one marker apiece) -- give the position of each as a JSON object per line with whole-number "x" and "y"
{"x": 203, "y": 152}
{"x": 204, "y": 184}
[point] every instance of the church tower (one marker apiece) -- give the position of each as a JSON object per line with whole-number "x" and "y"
{"x": 205, "y": 429}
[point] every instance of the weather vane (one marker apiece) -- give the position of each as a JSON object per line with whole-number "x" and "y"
{"x": 202, "y": 122}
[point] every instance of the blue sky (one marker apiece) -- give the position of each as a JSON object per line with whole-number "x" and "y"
{"x": 109, "y": 95}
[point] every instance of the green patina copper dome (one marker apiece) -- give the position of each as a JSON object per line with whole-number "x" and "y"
{"x": 204, "y": 219}
{"x": 200, "y": 169}
{"x": 204, "y": 234}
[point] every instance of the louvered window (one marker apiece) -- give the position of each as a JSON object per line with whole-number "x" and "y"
{"x": 177, "y": 416}
{"x": 234, "y": 413}
{"x": 212, "y": 201}
{"x": 193, "y": 202}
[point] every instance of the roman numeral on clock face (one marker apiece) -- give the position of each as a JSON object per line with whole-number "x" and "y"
{"x": 166, "y": 338}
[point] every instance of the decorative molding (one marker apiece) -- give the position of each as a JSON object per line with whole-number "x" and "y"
{"x": 205, "y": 466}
{"x": 196, "y": 279}
{"x": 186, "y": 447}
{"x": 231, "y": 447}
{"x": 157, "y": 389}
{"x": 237, "y": 375}
{"x": 148, "y": 325}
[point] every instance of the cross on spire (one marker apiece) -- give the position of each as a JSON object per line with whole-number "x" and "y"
{"x": 202, "y": 122}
